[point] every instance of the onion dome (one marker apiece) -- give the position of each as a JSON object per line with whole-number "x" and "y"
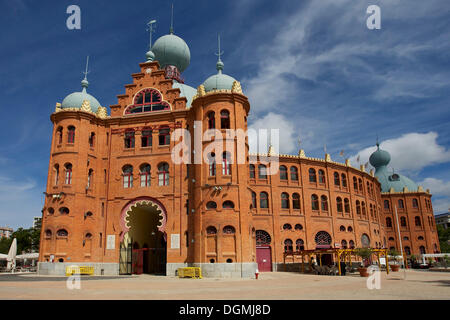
{"x": 219, "y": 81}
{"x": 171, "y": 50}
{"x": 380, "y": 159}
{"x": 75, "y": 100}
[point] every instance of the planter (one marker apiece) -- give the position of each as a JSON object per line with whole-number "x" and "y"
{"x": 363, "y": 272}
{"x": 394, "y": 267}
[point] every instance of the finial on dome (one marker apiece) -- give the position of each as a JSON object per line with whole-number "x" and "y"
{"x": 85, "y": 82}
{"x": 151, "y": 28}
{"x": 219, "y": 64}
{"x": 378, "y": 143}
{"x": 171, "y": 22}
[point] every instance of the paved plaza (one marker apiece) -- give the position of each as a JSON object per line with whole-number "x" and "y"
{"x": 276, "y": 285}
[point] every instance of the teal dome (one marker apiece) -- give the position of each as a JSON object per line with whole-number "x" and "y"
{"x": 75, "y": 100}
{"x": 171, "y": 50}
{"x": 380, "y": 159}
{"x": 219, "y": 81}
{"x": 186, "y": 91}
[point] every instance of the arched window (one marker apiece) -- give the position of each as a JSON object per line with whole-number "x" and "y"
{"x": 344, "y": 180}
{"x": 211, "y": 205}
{"x": 263, "y": 200}
{"x": 283, "y": 173}
{"x": 355, "y": 184}
{"x": 59, "y": 134}
{"x": 360, "y": 185}
{"x": 71, "y": 134}
{"x": 211, "y": 120}
{"x": 224, "y": 119}
{"x": 337, "y": 182}
{"x": 312, "y": 175}
{"x": 417, "y": 221}
{"x": 350, "y": 229}
{"x": 212, "y": 164}
{"x": 400, "y": 204}
{"x": 90, "y": 177}
{"x": 50, "y": 211}
{"x": 252, "y": 171}
{"x": 365, "y": 241}
{"x": 48, "y": 233}
{"x": 324, "y": 203}
{"x": 415, "y": 203}
{"x": 145, "y": 175}
{"x": 228, "y": 205}
{"x": 146, "y": 138}
{"x": 358, "y": 208}
{"x": 211, "y": 230}
{"x": 91, "y": 139}
{"x": 314, "y": 202}
{"x": 56, "y": 173}
{"x": 347, "y": 205}
{"x": 422, "y": 250}
{"x": 63, "y": 210}
{"x": 88, "y": 236}
{"x": 388, "y": 222}
{"x": 262, "y": 238}
{"x": 127, "y": 172}
{"x": 262, "y": 171}
{"x": 344, "y": 244}
{"x": 342, "y": 228}
{"x": 322, "y": 238}
{"x": 163, "y": 174}
{"x": 351, "y": 244}
{"x": 287, "y": 226}
{"x": 284, "y": 200}
{"x": 295, "y": 201}
{"x": 371, "y": 210}
{"x": 253, "y": 200}
{"x": 403, "y": 221}
{"x": 419, "y": 238}
{"x": 164, "y": 136}
{"x": 68, "y": 173}
{"x": 386, "y": 204}
{"x": 88, "y": 214}
{"x": 299, "y": 245}
{"x": 408, "y": 251}
{"x": 321, "y": 176}
{"x": 229, "y": 230}
{"x": 147, "y": 100}
{"x": 62, "y": 233}
{"x": 129, "y": 139}
{"x": 298, "y": 227}
{"x": 405, "y": 238}
{"x": 288, "y": 245}
{"x": 226, "y": 163}
{"x": 363, "y": 208}
{"x": 339, "y": 204}
{"x": 294, "y": 174}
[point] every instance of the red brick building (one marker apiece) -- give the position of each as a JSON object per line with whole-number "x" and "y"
{"x": 117, "y": 200}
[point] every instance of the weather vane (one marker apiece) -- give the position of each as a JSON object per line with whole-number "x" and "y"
{"x": 219, "y": 53}
{"x": 86, "y": 71}
{"x": 151, "y": 28}
{"x": 171, "y": 22}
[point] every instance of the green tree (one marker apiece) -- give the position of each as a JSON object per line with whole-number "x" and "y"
{"x": 5, "y": 243}
{"x": 444, "y": 237}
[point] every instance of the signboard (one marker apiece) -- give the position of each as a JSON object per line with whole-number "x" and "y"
{"x": 110, "y": 242}
{"x": 383, "y": 261}
{"x": 174, "y": 241}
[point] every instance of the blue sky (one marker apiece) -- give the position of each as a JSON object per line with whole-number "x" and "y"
{"x": 311, "y": 68}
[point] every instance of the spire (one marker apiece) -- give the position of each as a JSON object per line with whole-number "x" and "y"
{"x": 171, "y": 22}
{"x": 378, "y": 144}
{"x": 151, "y": 28}
{"x": 219, "y": 64}
{"x": 85, "y": 82}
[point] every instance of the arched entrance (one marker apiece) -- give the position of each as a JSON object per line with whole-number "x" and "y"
{"x": 143, "y": 246}
{"x": 323, "y": 241}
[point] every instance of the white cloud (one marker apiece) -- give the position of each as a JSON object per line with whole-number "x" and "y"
{"x": 287, "y": 135}
{"x": 410, "y": 152}
{"x": 437, "y": 187}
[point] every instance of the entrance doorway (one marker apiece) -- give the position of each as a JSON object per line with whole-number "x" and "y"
{"x": 147, "y": 243}
{"x": 264, "y": 258}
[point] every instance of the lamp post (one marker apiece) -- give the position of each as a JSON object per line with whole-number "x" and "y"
{"x": 400, "y": 240}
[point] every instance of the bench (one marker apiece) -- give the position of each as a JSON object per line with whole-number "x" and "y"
{"x": 79, "y": 270}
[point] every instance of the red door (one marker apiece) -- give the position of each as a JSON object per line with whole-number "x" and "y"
{"x": 264, "y": 259}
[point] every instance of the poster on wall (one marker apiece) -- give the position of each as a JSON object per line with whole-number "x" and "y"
{"x": 175, "y": 241}
{"x": 111, "y": 242}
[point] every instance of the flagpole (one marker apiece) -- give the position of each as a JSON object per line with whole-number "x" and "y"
{"x": 400, "y": 240}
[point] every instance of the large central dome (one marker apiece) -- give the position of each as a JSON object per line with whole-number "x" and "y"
{"x": 171, "y": 50}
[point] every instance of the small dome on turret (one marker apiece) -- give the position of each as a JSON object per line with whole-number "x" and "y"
{"x": 379, "y": 158}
